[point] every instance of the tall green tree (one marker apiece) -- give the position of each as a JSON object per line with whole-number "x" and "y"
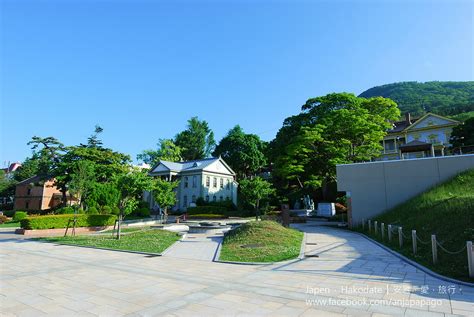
{"x": 7, "y": 185}
{"x": 82, "y": 180}
{"x": 254, "y": 190}
{"x": 131, "y": 186}
{"x": 243, "y": 152}
{"x": 164, "y": 194}
{"x": 463, "y": 134}
{"x": 167, "y": 151}
{"x": 93, "y": 140}
{"x": 333, "y": 129}
{"x": 103, "y": 194}
{"x": 197, "y": 141}
{"x": 49, "y": 152}
{"x": 29, "y": 168}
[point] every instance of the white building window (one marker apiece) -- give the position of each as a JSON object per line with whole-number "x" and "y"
{"x": 221, "y": 198}
{"x": 222, "y": 183}
{"x": 208, "y": 181}
{"x": 214, "y": 183}
{"x": 214, "y": 198}
{"x": 207, "y": 198}
{"x": 194, "y": 198}
{"x": 185, "y": 201}
{"x": 186, "y": 182}
{"x": 194, "y": 181}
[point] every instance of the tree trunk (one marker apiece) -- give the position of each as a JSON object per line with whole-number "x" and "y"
{"x": 257, "y": 214}
{"x": 119, "y": 225}
{"x": 325, "y": 188}
{"x": 64, "y": 196}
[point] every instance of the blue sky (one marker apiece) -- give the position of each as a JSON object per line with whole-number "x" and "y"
{"x": 140, "y": 69}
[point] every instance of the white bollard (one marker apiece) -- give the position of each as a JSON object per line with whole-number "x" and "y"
{"x": 470, "y": 258}
{"x": 434, "y": 249}
{"x": 413, "y": 241}
{"x": 400, "y": 236}
{"x": 389, "y": 230}
{"x": 376, "y": 225}
{"x": 382, "y": 230}
{"x": 370, "y": 225}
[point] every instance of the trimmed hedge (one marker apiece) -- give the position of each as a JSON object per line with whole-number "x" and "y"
{"x": 61, "y": 221}
{"x": 206, "y": 216}
{"x": 206, "y": 210}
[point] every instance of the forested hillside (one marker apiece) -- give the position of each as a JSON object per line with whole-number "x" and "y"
{"x": 441, "y": 97}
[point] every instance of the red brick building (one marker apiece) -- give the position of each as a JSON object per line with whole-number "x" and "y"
{"x": 36, "y": 193}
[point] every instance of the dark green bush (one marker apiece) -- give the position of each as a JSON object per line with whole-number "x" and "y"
{"x": 106, "y": 209}
{"x": 207, "y": 210}
{"x": 9, "y": 213}
{"x": 64, "y": 210}
{"x": 143, "y": 212}
{"x": 61, "y": 221}
{"x": 92, "y": 211}
{"x": 19, "y": 215}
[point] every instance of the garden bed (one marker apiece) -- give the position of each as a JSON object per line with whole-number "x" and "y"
{"x": 59, "y": 231}
{"x": 261, "y": 241}
{"x": 145, "y": 241}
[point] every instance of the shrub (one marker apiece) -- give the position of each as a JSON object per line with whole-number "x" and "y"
{"x": 143, "y": 212}
{"x": 207, "y": 210}
{"x": 64, "y": 210}
{"x": 207, "y": 216}
{"x": 61, "y": 221}
{"x": 115, "y": 210}
{"x": 92, "y": 211}
{"x": 9, "y": 213}
{"x": 19, "y": 215}
{"x": 3, "y": 219}
{"x": 106, "y": 209}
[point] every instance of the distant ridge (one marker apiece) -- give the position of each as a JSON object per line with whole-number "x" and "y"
{"x": 441, "y": 97}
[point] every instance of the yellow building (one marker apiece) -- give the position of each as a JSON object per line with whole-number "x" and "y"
{"x": 427, "y": 136}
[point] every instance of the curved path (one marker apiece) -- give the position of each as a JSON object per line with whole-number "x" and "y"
{"x": 351, "y": 276}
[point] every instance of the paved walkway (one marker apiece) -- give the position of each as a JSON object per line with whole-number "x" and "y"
{"x": 351, "y": 276}
{"x": 196, "y": 246}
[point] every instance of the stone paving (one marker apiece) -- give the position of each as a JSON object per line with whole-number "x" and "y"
{"x": 351, "y": 277}
{"x": 196, "y": 246}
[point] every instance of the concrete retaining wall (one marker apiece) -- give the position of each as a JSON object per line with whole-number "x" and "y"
{"x": 378, "y": 186}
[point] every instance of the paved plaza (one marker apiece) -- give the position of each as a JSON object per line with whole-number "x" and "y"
{"x": 351, "y": 276}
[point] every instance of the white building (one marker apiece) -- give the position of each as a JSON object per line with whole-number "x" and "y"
{"x": 212, "y": 179}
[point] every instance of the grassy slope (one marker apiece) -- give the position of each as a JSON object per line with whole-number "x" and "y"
{"x": 446, "y": 210}
{"x": 274, "y": 243}
{"x": 155, "y": 241}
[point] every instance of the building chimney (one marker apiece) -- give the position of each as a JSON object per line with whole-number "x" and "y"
{"x": 408, "y": 117}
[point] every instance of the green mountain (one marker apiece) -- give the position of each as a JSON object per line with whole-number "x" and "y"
{"x": 441, "y": 97}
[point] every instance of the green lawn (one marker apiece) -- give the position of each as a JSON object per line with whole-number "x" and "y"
{"x": 261, "y": 241}
{"x": 446, "y": 210}
{"x": 127, "y": 230}
{"x": 154, "y": 241}
{"x": 10, "y": 224}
